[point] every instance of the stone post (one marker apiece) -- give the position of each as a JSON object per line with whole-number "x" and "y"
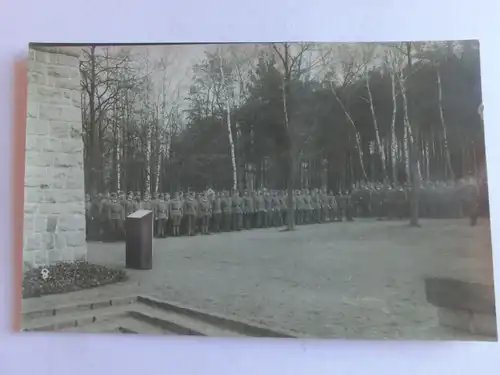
{"x": 54, "y": 197}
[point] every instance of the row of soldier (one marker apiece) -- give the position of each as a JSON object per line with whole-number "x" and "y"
{"x": 192, "y": 213}
{"x": 443, "y": 199}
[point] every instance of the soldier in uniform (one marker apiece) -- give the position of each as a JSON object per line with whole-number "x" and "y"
{"x": 268, "y": 201}
{"x": 249, "y": 209}
{"x": 325, "y": 208}
{"x": 349, "y": 208}
{"x": 154, "y": 206}
{"x": 469, "y": 193}
{"x": 122, "y": 198}
{"x": 260, "y": 207}
{"x": 191, "y": 213}
{"x": 138, "y": 200}
{"x": 94, "y": 219}
{"x": 131, "y": 204}
{"x": 400, "y": 202}
{"x": 283, "y": 197}
{"x": 205, "y": 211}
{"x": 376, "y": 200}
{"x": 275, "y": 210}
{"x": 176, "y": 213}
{"x": 146, "y": 204}
{"x": 307, "y": 207}
{"x": 253, "y": 214}
{"x": 332, "y": 206}
{"x": 216, "y": 212}
{"x": 299, "y": 212}
{"x": 316, "y": 204}
{"x": 162, "y": 213}
{"x": 88, "y": 203}
{"x": 341, "y": 206}
{"x": 227, "y": 205}
{"x": 104, "y": 204}
{"x": 116, "y": 217}
{"x": 237, "y": 211}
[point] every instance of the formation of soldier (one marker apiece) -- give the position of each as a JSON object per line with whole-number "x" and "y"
{"x": 189, "y": 213}
{"x": 442, "y": 199}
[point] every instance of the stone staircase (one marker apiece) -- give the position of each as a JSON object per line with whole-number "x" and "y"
{"x": 141, "y": 315}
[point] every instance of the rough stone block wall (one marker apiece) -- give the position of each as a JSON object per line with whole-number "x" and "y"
{"x": 54, "y": 197}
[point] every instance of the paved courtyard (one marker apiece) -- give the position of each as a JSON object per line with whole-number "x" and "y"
{"x": 346, "y": 280}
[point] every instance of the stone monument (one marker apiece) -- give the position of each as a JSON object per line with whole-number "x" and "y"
{"x": 139, "y": 240}
{"x": 54, "y": 208}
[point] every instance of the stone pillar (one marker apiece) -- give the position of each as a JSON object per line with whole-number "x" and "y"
{"x": 54, "y": 196}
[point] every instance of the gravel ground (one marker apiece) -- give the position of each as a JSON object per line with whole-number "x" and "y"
{"x": 362, "y": 280}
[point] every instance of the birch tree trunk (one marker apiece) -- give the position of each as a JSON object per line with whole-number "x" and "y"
{"x": 147, "y": 187}
{"x": 357, "y": 136}
{"x": 158, "y": 169}
{"x": 443, "y": 127}
{"x": 416, "y": 175}
{"x": 229, "y": 130}
{"x": 427, "y": 161}
{"x": 118, "y": 160}
{"x": 394, "y": 142}
{"x": 290, "y": 157}
{"x": 147, "y": 124}
{"x": 406, "y": 151}
{"x": 410, "y": 140}
{"x": 380, "y": 147}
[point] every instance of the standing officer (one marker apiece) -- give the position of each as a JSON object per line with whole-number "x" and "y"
{"x": 204, "y": 213}
{"x": 216, "y": 212}
{"x": 116, "y": 217}
{"x": 260, "y": 207}
{"x": 227, "y": 204}
{"x": 276, "y": 210}
{"x": 162, "y": 216}
{"x": 131, "y": 204}
{"x": 154, "y": 206}
{"x": 248, "y": 209}
{"x": 176, "y": 213}
{"x": 237, "y": 211}
{"x": 191, "y": 213}
{"x": 268, "y": 200}
{"x": 332, "y": 206}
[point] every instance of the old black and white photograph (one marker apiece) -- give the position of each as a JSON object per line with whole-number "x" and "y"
{"x": 288, "y": 190}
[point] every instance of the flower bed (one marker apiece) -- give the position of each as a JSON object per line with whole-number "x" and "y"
{"x": 67, "y": 277}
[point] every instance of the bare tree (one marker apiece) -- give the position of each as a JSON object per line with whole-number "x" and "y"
{"x": 414, "y": 165}
{"x": 291, "y": 57}
{"x": 350, "y": 67}
{"x": 228, "y": 95}
{"x": 393, "y": 64}
{"x": 102, "y": 86}
{"x": 369, "y": 53}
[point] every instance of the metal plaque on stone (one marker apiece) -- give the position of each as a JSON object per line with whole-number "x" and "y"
{"x": 139, "y": 240}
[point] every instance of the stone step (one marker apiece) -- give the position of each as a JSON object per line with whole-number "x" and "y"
{"x": 130, "y": 325}
{"x": 74, "y": 318}
{"x": 157, "y": 317}
{"x": 124, "y": 324}
{"x": 77, "y": 308}
{"x": 149, "y": 319}
{"x": 148, "y": 315}
{"x": 243, "y": 328}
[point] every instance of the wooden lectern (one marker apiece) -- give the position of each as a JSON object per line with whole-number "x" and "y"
{"x": 139, "y": 240}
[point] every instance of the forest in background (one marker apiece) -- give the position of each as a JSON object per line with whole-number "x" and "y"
{"x": 282, "y": 115}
